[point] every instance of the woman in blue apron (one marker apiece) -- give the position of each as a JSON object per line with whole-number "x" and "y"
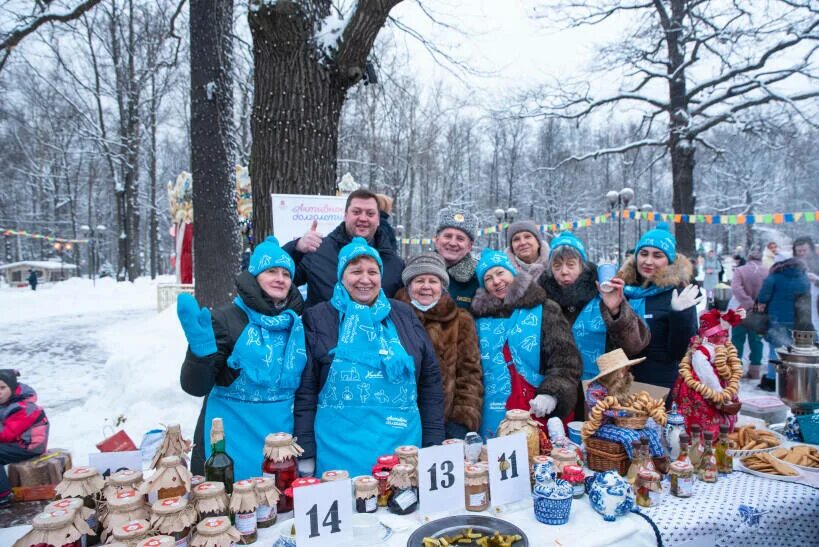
{"x": 659, "y": 289}
{"x": 372, "y": 381}
{"x": 528, "y": 354}
{"x": 247, "y": 359}
{"x": 601, "y": 321}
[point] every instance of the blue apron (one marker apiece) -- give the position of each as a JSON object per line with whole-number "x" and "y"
{"x": 361, "y": 415}
{"x": 522, "y": 331}
{"x": 589, "y": 331}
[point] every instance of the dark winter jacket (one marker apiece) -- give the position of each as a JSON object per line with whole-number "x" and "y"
{"x": 318, "y": 269}
{"x": 452, "y": 332}
{"x": 22, "y": 422}
{"x": 385, "y": 226}
{"x": 200, "y": 374}
{"x": 785, "y": 280}
{"x": 32, "y": 278}
{"x": 462, "y": 281}
{"x": 321, "y": 323}
{"x": 560, "y": 362}
{"x": 671, "y": 330}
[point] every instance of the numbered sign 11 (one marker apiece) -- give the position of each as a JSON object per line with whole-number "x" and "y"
{"x": 324, "y": 514}
{"x": 441, "y": 478}
{"x": 508, "y": 468}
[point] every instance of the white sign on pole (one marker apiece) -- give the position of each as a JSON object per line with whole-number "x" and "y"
{"x": 294, "y": 213}
{"x": 324, "y": 514}
{"x": 441, "y": 478}
{"x": 108, "y": 463}
{"x": 508, "y": 468}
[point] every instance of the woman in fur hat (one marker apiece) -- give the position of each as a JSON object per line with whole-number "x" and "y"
{"x": 527, "y": 349}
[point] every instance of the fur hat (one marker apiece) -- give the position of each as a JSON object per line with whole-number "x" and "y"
{"x": 489, "y": 259}
{"x": 355, "y": 248}
{"x": 457, "y": 217}
{"x": 9, "y": 377}
{"x": 269, "y": 254}
{"x": 426, "y": 263}
{"x": 569, "y": 240}
{"x": 661, "y": 238}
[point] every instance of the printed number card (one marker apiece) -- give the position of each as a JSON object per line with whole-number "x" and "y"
{"x": 508, "y": 468}
{"x": 441, "y": 478}
{"x": 324, "y": 514}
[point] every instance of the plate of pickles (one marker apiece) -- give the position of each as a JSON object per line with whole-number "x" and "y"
{"x": 463, "y": 530}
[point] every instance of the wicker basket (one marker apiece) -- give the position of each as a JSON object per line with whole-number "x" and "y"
{"x": 603, "y": 455}
{"x": 632, "y": 421}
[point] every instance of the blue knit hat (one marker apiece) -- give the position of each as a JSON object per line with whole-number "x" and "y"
{"x": 661, "y": 238}
{"x": 569, "y": 240}
{"x": 269, "y": 254}
{"x": 489, "y": 259}
{"x": 355, "y": 248}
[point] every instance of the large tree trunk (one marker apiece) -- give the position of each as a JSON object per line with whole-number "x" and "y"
{"x": 216, "y": 243}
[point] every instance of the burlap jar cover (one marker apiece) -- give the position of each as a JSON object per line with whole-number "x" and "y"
{"x": 366, "y": 486}
{"x": 244, "y": 498}
{"x": 172, "y": 515}
{"x": 520, "y": 420}
{"x": 215, "y": 532}
{"x": 80, "y": 511}
{"x": 171, "y": 473}
{"x": 400, "y": 476}
{"x": 172, "y": 445}
{"x": 54, "y": 528}
{"x": 157, "y": 541}
{"x": 131, "y": 532}
{"x": 80, "y": 482}
{"x": 210, "y": 497}
{"x": 266, "y": 491}
{"x": 335, "y": 475}
{"x": 125, "y": 478}
{"x": 281, "y": 446}
{"x": 126, "y": 505}
{"x": 408, "y": 455}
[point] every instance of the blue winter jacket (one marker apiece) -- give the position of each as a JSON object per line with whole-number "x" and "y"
{"x": 785, "y": 280}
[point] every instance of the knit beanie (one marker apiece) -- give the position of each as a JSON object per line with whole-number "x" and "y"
{"x": 569, "y": 240}
{"x": 489, "y": 259}
{"x": 355, "y": 248}
{"x": 9, "y": 377}
{"x": 661, "y": 238}
{"x": 426, "y": 263}
{"x": 457, "y": 217}
{"x": 523, "y": 226}
{"x": 269, "y": 254}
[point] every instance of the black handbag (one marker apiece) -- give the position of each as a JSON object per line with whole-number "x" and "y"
{"x": 756, "y": 321}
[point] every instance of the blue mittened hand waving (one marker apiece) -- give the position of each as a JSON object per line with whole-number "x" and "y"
{"x": 196, "y": 324}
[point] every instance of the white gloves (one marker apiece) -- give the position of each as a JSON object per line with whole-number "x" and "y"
{"x": 542, "y": 405}
{"x": 690, "y": 296}
{"x": 307, "y": 467}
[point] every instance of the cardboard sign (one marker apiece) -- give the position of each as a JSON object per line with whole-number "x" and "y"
{"x": 441, "y": 478}
{"x": 111, "y": 462}
{"x": 294, "y": 213}
{"x": 324, "y": 514}
{"x": 508, "y": 468}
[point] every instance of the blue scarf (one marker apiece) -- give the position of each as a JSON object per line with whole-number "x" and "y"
{"x": 637, "y": 295}
{"x": 589, "y": 331}
{"x": 367, "y": 336}
{"x": 270, "y": 351}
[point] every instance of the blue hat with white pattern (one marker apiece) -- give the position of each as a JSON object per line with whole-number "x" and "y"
{"x": 568, "y": 239}
{"x": 661, "y": 238}
{"x": 490, "y": 259}
{"x": 355, "y": 248}
{"x": 269, "y": 254}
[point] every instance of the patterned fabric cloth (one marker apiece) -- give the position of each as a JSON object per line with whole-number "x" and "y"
{"x": 617, "y": 434}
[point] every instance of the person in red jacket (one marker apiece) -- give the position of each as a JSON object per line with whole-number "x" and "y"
{"x": 23, "y": 426}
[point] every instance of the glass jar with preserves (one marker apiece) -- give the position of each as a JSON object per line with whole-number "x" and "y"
{"x": 124, "y": 478}
{"x": 81, "y": 513}
{"x": 476, "y": 495}
{"x": 52, "y": 529}
{"x": 215, "y": 531}
{"x": 574, "y": 475}
{"x": 681, "y": 475}
{"x": 87, "y": 484}
{"x": 334, "y": 475}
{"x": 173, "y": 517}
{"x": 520, "y": 420}
{"x": 157, "y": 541}
{"x": 298, "y": 483}
{"x": 196, "y": 480}
{"x": 408, "y": 455}
{"x": 473, "y": 444}
{"x": 210, "y": 499}
{"x": 243, "y": 504}
{"x": 132, "y": 531}
{"x": 381, "y": 472}
{"x": 649, "y": 489}
{"x": 171, "y": 480}
{"x": 562, "y": 457}
{"x": 124, "y": 506}
{"x": 404, "y": 494}
{"x": 366, "y": 494}
{"x": 280, "y": 455}
{"x": 268, "y": 498}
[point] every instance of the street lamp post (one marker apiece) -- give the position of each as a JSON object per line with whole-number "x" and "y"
{"x": 504, "y": 216}
{"x": 61, "y": 249}
{"x": 619, "y": 201}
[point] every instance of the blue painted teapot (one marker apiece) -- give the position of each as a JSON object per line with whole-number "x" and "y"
{"x": 610, "y": 494}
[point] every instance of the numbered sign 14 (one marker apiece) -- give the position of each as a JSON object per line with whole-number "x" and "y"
{"x": 441, "y": 478}
{"x": 324, "y": 514}
{"x": 508, "y": 468}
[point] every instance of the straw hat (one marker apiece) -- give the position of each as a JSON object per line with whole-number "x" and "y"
{"x": 614, "y": 360}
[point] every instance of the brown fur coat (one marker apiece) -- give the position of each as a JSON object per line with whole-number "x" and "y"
{"x": 453, "y": 335}
{"x": 560, "y": 361}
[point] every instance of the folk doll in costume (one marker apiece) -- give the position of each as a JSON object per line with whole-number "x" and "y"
{"x": 706, "y": 392}
{"x": 529, "y": 358}
{"x": 246, "y": 359}
{"x": 372, "y": 381}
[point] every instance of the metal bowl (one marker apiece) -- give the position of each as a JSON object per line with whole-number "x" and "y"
{"x": 450, "y": 526}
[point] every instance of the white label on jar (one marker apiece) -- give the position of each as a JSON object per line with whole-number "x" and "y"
{"x": 685, "y": 486}
{"x": 406, "y": 498}
{"x": 370, "y": 504}
{"x": 264, "y": 513}
{"x": 246, "y": 523}
{"x": 269, "y": 476}
{"x": 476, "y": 500}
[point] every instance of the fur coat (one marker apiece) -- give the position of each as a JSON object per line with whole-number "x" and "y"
{"x": 560, "y": 361}
{"x": 452, "y": 331}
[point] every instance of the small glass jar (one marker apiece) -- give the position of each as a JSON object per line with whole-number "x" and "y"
{"x": 132, "y": 531}
{"x": 215, "y": 531}
{"x": 210, "y": 499}
{"x": 78, "y": 509}
{"x": 408, "y": 455}
{"x": 381, "y": 472}
{"x": 243, "y": 504}
{"x": 681, "y": 475}
{"x": 476, "y": 495}
{"x": 403, "y": 498}
{"x": 124, "y": 478}
{"x": 366, "y": 494}
{"x": 562, "y": 457}
{"x": 520, "y": 420}
{"x": 473, "y": 444}
{"x": 172, "y": 478}
{"x": 173, "y": 517}
{"x": 649, "y": 489}
{"x": 280, "y": 454}
{"x": 85, "y": 483}
{"x": 268, "y": 498}
{"x": 52, "y": 529}
{"x": 574, "y": 475}
{"x": 123, "y": 507}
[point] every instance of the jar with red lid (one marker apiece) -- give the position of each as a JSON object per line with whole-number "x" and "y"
{"x": 280, "y": 454}
{"x": 173, "y": 517}
{"x": 298, "y": 483}
{"x": 574, "y": 475}
{"x": 52, "y": 529}
{"x": 381, "y": 472}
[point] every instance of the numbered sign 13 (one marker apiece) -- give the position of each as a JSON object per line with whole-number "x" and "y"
{"x": 508, "y": 468}
{"x": 324, "y": 514}
{"x": 441, "y": 478}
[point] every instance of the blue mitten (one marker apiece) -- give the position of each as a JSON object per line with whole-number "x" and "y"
{"x": 196, "y": 324}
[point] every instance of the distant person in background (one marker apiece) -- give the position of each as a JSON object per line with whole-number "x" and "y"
{"x": 804, "y": 249}
{"x": 23, "y": 427}
{"x": 455, "y": 233}
{"x": 745, "y": 286}
{"x": 526, "y": 248}
{"x": 32, "y": 279}
{"x": 385, "y": 203}
{"x": 769, "y": 255}
{"x": 712, "y": 268}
